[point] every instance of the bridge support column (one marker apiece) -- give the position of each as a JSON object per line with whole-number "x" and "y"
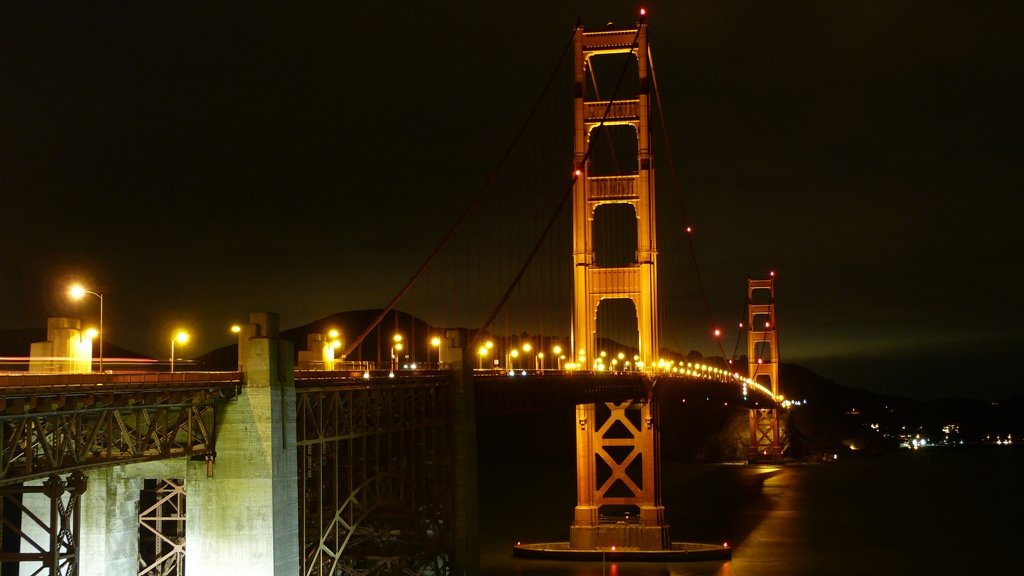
{"x": 243, "y": 509}
{"x": 618, "y": 479}
{"x": 110, "y": 524}
{"x": 467, "y": 541}
{"x": 47, "y": 539}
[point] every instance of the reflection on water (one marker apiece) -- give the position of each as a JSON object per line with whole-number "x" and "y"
{"x": 930, "y": 511}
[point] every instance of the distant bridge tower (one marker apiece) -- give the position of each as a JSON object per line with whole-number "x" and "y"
{"x": 618, "y": 466}
{"x": 763, "y": 363}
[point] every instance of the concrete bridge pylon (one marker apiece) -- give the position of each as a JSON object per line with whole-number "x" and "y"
{"x": 243, "y": 507}
{"x": 242, "y": 512}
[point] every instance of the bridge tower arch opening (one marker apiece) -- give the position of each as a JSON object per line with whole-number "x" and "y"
{"x": 617, "y": 334}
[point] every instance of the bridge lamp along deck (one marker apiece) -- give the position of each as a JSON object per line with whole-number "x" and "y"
{"x": 180, "y": 337}
{"x": 436, "y": 343}
{"x": 77, "y": 292}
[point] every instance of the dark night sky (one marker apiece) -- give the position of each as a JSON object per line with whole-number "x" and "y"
{"x": 197, "y": 161}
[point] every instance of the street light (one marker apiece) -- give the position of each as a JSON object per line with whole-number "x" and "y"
{"x": 395, "y": 346}
{"x": 557, "y": 351}
{"x": 481, "y": 352}
{"x": 77, "y": 292}
{"x": 436, "y": 343}
{"x": 181, "y": 338}
{"x": 539, "y": 361}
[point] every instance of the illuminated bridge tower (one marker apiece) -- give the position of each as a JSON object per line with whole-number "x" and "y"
{"x": 618, "y": 476}
{"x": 763, "y": 361}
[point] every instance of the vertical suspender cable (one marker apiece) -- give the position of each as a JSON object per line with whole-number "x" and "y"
{"x": 682, "y": 205}
{"x": 462, "y": 217}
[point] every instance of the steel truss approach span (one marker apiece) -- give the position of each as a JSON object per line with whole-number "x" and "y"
{"x": 55, "y": 424}
{"x": 375, "y": 471}
{"x": 52, "y": 542}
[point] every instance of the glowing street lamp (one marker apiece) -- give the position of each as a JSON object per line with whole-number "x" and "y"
{"x": 512, "y": 358}
{"x": 334, "y": 339}
{"x": 436, "y": 343}
{"x": 539, "y": 361}
{"x": 481, "y": 352}
{"x": 329, "y": 347}
{"x": 77, "y": 292}
{"x": 557, "y": 351}
{"x": 181, "y": 337}
{"x": 396, "y": 346}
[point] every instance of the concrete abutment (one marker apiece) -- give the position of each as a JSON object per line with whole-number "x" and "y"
{"x": 242, "y": 512}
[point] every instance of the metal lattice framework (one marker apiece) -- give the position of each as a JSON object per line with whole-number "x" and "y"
{"x": 49, "y": 543}
{"x": 58, "y": 429}
{"x": 375, "y": 471}
{"x": 162, "y": 529}
{"x": 618, "y": 458}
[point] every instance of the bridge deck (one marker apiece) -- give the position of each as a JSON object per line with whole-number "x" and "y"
{"x": 57, "y": 423}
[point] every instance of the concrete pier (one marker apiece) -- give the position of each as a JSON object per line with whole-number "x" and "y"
{"x": 242, "y": 512}
{"x": 110, "y": 523}
{"x": 243, "y": 508}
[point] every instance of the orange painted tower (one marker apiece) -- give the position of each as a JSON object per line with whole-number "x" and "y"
{"x": 763, "y": 363}
{"x": 618, "y": 469}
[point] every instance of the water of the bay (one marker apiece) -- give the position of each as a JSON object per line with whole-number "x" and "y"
{"x": 930, "y": 511}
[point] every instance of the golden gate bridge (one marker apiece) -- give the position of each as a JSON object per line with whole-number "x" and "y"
{"x": 558, "y": 248}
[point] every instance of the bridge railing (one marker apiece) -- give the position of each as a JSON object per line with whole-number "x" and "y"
{"x": 12, "y": 382}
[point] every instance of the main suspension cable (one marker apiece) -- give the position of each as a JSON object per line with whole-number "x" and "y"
{"x": 580, "y": 171}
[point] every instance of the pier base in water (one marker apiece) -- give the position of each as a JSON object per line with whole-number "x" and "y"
{"x": 679, "y": 552}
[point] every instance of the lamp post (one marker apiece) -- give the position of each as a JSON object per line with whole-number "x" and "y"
{"x": 333, "y": 343}
{"x": 483, "y": 351}
{"x": 180, "y": 337}
{"x": 77, "y": 292}
{"x": 396, "y": 345}
{"x": 557, "y": 351}
{"x": 436, "y": 343}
